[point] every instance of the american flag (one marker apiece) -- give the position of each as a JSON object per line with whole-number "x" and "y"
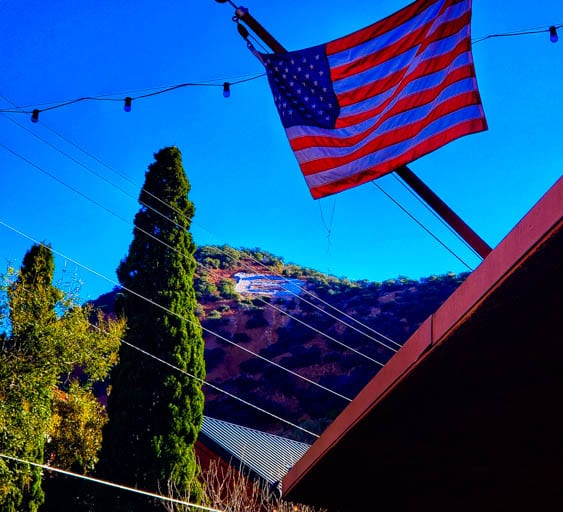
{"x": 363, "y": 105}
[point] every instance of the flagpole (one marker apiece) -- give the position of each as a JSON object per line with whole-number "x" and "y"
{"x": 442, "y": 209}
{"x": 407, "y": 175}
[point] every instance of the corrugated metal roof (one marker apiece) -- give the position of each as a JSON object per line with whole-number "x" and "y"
{"x": 268, "y": 455}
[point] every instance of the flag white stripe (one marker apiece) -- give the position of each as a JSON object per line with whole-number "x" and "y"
{"x": 398, "y": 121}
{"x": 415, "y": 86}
{"x": 389, "y": 38}
{"x": 297, "y": 131}
{"x": 452, "y": 13}
{"x": 379, "y": 158}
{"x": 407, "y": 60}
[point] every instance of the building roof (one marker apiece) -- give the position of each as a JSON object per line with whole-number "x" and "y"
{"x": 265, "y": 455}
{"x": 466, "y": 415}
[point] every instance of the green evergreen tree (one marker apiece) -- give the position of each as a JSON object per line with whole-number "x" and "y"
{"x": 46, "y": 336}
{"x": 155, "y": 412}
{"x": 26, "y": 391}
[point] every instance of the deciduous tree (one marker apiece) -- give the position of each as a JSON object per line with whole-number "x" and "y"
{"x": 46, "y": 336}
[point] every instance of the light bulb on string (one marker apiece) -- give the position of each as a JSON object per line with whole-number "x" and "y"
{"x": 226, "y": 89}
{"x": 127, "y": 106}
{"x": 35, "y": 116}
{"x": 553, "y": 37}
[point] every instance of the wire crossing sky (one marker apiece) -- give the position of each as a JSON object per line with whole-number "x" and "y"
{"x": 246, "y": 184}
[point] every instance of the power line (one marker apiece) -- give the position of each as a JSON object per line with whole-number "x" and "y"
{"x": 152, "y": 302}
{"x": 217, "y": 388}
{"x": 422, "y": 226}
{"x": 316, "y": 297}
{"x": 181, "y": 214}
{"x": 329, "y": 337}
{"x": 213, "y": 386}
{"x": 172, "y": 221}
{"x": 433, "y": 212}
{"x": 260, "y": 263}
{"x": 109, "y": 484}
{"x": 172, "y": 248}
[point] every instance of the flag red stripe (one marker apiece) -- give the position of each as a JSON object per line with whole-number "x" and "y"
{"x": 423, "y": 148}
{"x": 454, "y": 76}
{"x": 409, "y": 102}
{"x": 411, "y": 40}
{"x": 387, "y": 82}
{"x": 402, "y": 133}
{"x": 380, "y": 27}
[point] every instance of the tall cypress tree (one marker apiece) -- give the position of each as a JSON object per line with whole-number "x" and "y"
{"x": 155, "y": 412}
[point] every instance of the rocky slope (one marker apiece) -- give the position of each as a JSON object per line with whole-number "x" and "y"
{"x": 287, "y": 345}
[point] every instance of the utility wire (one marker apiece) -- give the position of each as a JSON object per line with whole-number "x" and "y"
{"x": 213, "y": 386}
{"x": 109, "y": 484}
{"x": 421, "y": 225}
{"x": 152, "y": 302}
{"x": 167, "y": 218}
{"x": 433, "y": 212}
{"x": 150, "y": 235}
{"x": 320, "y": 332}
{"x": 220, "y": 390}
{"x": 170, "y": 220}
{"x": 288, "y": 290}
{"x": 316, "y": 297}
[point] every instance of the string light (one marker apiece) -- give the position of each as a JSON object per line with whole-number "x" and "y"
{"x": 553, "y": 37}
{"x": 552, "y": 33}
{"x": 226, "y": 86}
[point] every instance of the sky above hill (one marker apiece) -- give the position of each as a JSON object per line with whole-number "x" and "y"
{"x": 72, "y": 179}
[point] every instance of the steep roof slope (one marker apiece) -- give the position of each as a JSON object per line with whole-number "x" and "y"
{"x": 264, "y": 455}
{"x": 466, "y": 415}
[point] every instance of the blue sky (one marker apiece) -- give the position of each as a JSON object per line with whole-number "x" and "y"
{"x": 72, "y": 179}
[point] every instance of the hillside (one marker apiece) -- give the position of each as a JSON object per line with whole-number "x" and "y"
{"x": 269, "y": 326}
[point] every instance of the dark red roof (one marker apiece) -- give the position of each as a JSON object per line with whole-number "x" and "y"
{"x": 467, "y": 414}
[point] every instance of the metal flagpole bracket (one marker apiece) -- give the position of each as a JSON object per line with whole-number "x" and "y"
{"x": 244, "y": 15}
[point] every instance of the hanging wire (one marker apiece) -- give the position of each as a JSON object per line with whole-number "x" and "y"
{"x": 433, "y": 212}
{"x": 220, "y": 390}
{"x": 209, "y": 384}
{"x": 155, "y": 238}
{"x": 35, "y": 112}
{"x": 156, "y": 304}
{"x": 109, "y": 484}
{"x": 518, "y": 33}
{"x": 422, "y": 226}
{"x": 246, "y": 35}
{"x": 173, "y": 222}
{"x": 328, "y": 226}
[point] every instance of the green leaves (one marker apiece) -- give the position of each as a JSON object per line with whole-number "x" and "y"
{"x": 145, "y": 443}
{"x": 47, "y": 337}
